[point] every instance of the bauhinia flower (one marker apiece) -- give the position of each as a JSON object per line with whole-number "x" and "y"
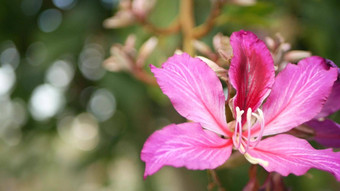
{"x": 294, "y": 96}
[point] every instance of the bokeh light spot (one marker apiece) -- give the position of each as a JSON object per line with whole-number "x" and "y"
{"x": 36, "y": 53}
{"x": 49, "y": 20}
{"x": 10, "y": 55}
{"x": 64, "y": 4}
{"x": 102, "y": 104}
{"x": 90, "y": 62}
{"x": 81, "y": 131}
{"x": 46, "y": 101}
{"x": 30, "y": 7}
{"x": 7, "y": 79}
{"x": 60, "y": 74}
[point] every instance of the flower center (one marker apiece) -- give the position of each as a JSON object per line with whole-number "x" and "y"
{"x": 242, "y": 138}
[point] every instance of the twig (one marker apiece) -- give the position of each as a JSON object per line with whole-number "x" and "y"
{"x": 187, "y": 24}
{"x": 215, "y": 181}
{"x": 206, "y": 27}
{"x": 173, "y": 28}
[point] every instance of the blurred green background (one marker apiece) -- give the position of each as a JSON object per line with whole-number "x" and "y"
{"x": 67, "y": 124}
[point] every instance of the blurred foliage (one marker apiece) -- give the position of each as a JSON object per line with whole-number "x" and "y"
{"x": 102, "y": 153}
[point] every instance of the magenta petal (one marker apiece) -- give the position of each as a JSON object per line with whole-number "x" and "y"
{"x": 287, "y": 154}
{"x": 298, "y": 94}
{"x": 251, "y": 71}
{"x": 327, "y": 132}
{"x": 194, "y": 90}
{"x": 333, "y": 102}
{"x": 184, "y": 145}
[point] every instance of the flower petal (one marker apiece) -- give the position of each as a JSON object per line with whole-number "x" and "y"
{"x": 184, "y": 145}
{"x": 332, "y": 104}
{"x": 194, "y": 90}
{"x": 251, "y": 71}
{"x": 327, "y": 132}
{"x": 298, "y": 94}
{"x": 287, "y": 154}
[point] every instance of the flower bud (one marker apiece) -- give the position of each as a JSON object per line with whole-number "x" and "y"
{"x": 122, "y": 18}
{"x": 141, "y": 8}
{"x": 221, "y": 72}
{"x": 222, "y": 46}
{"x": 270, "y": 43}
{"x": 243, "y": 2}
{"x": 119, "y": 61}
{"x": 202, "y": 47}
{"x": 296, "y": 55}
{"x": 145, "y": 50}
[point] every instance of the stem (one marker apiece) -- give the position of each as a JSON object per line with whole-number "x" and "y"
{"x": 206, "y": 27}
{"x": 187, "y": 25}
{"x": 173, "y": 28}
{"x": 143, "y": 76}
{"x": 215, "y": 181}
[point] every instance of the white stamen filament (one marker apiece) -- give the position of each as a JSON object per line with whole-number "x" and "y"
{"x": 238, "y": 128}
{"x": 238, "y": 137}
{"x": 260, "y": 118}
{"x": 249, "y": 112}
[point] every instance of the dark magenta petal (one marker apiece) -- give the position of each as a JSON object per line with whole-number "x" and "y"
{"x": 287, "y": 154}
{"x": 184, "y": 145}
{"x": 251, "y": 71}
{"x": 327, "y": 132}
{"x": 298, "y": 94}
{"x": 333, "y": 102}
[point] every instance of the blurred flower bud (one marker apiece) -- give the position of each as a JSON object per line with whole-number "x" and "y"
{"x": 178, "y": 51}
{"x": 118, "y": 61}
{"x": 296, "y": 55}
{"x": 285, "y": 47}
{"x": 221, "y": 72}
{"x": 145, "y": 50}
{"x": 270, "y": 43}
{"x": 202, "y": 47}
{"x": 122, "y": 18}
{"x": 141, "y": 8}
{"x": 129, "y": 45}
{"x": 222, "y": 46}
{"x": 243, "y": 2}
{"x": 280, "y": 38}
{"x": 124, "y": 4}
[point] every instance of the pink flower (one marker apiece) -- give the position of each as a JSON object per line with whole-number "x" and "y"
{"x": 294, "y": 96}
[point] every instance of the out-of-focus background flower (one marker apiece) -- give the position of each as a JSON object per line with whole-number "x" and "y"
{"x": 67, "y": 123}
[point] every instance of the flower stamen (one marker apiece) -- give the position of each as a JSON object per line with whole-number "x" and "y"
{"x": 260, "y": 119}
{"x": 238, "y": 128}
{"x": 239, "y": 139}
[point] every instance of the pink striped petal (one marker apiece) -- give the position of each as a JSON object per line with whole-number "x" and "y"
{"x": 194, "y": 90}
{"x": 287, "y": 154}
{"x": 184, "y": 145}
{"x": 327, "y": 132}
{"x": 332, "y": 104}
{"x": 251, "y": 71}
{"x": 298, "y": 94}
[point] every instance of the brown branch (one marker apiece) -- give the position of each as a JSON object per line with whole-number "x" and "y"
{"x": 173, "y": 28}
{"x": 215, "y": 181}
{"x": 187, "y": 24}
{"x": 206, "y": 27}
{"x": 143, "y": 76}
